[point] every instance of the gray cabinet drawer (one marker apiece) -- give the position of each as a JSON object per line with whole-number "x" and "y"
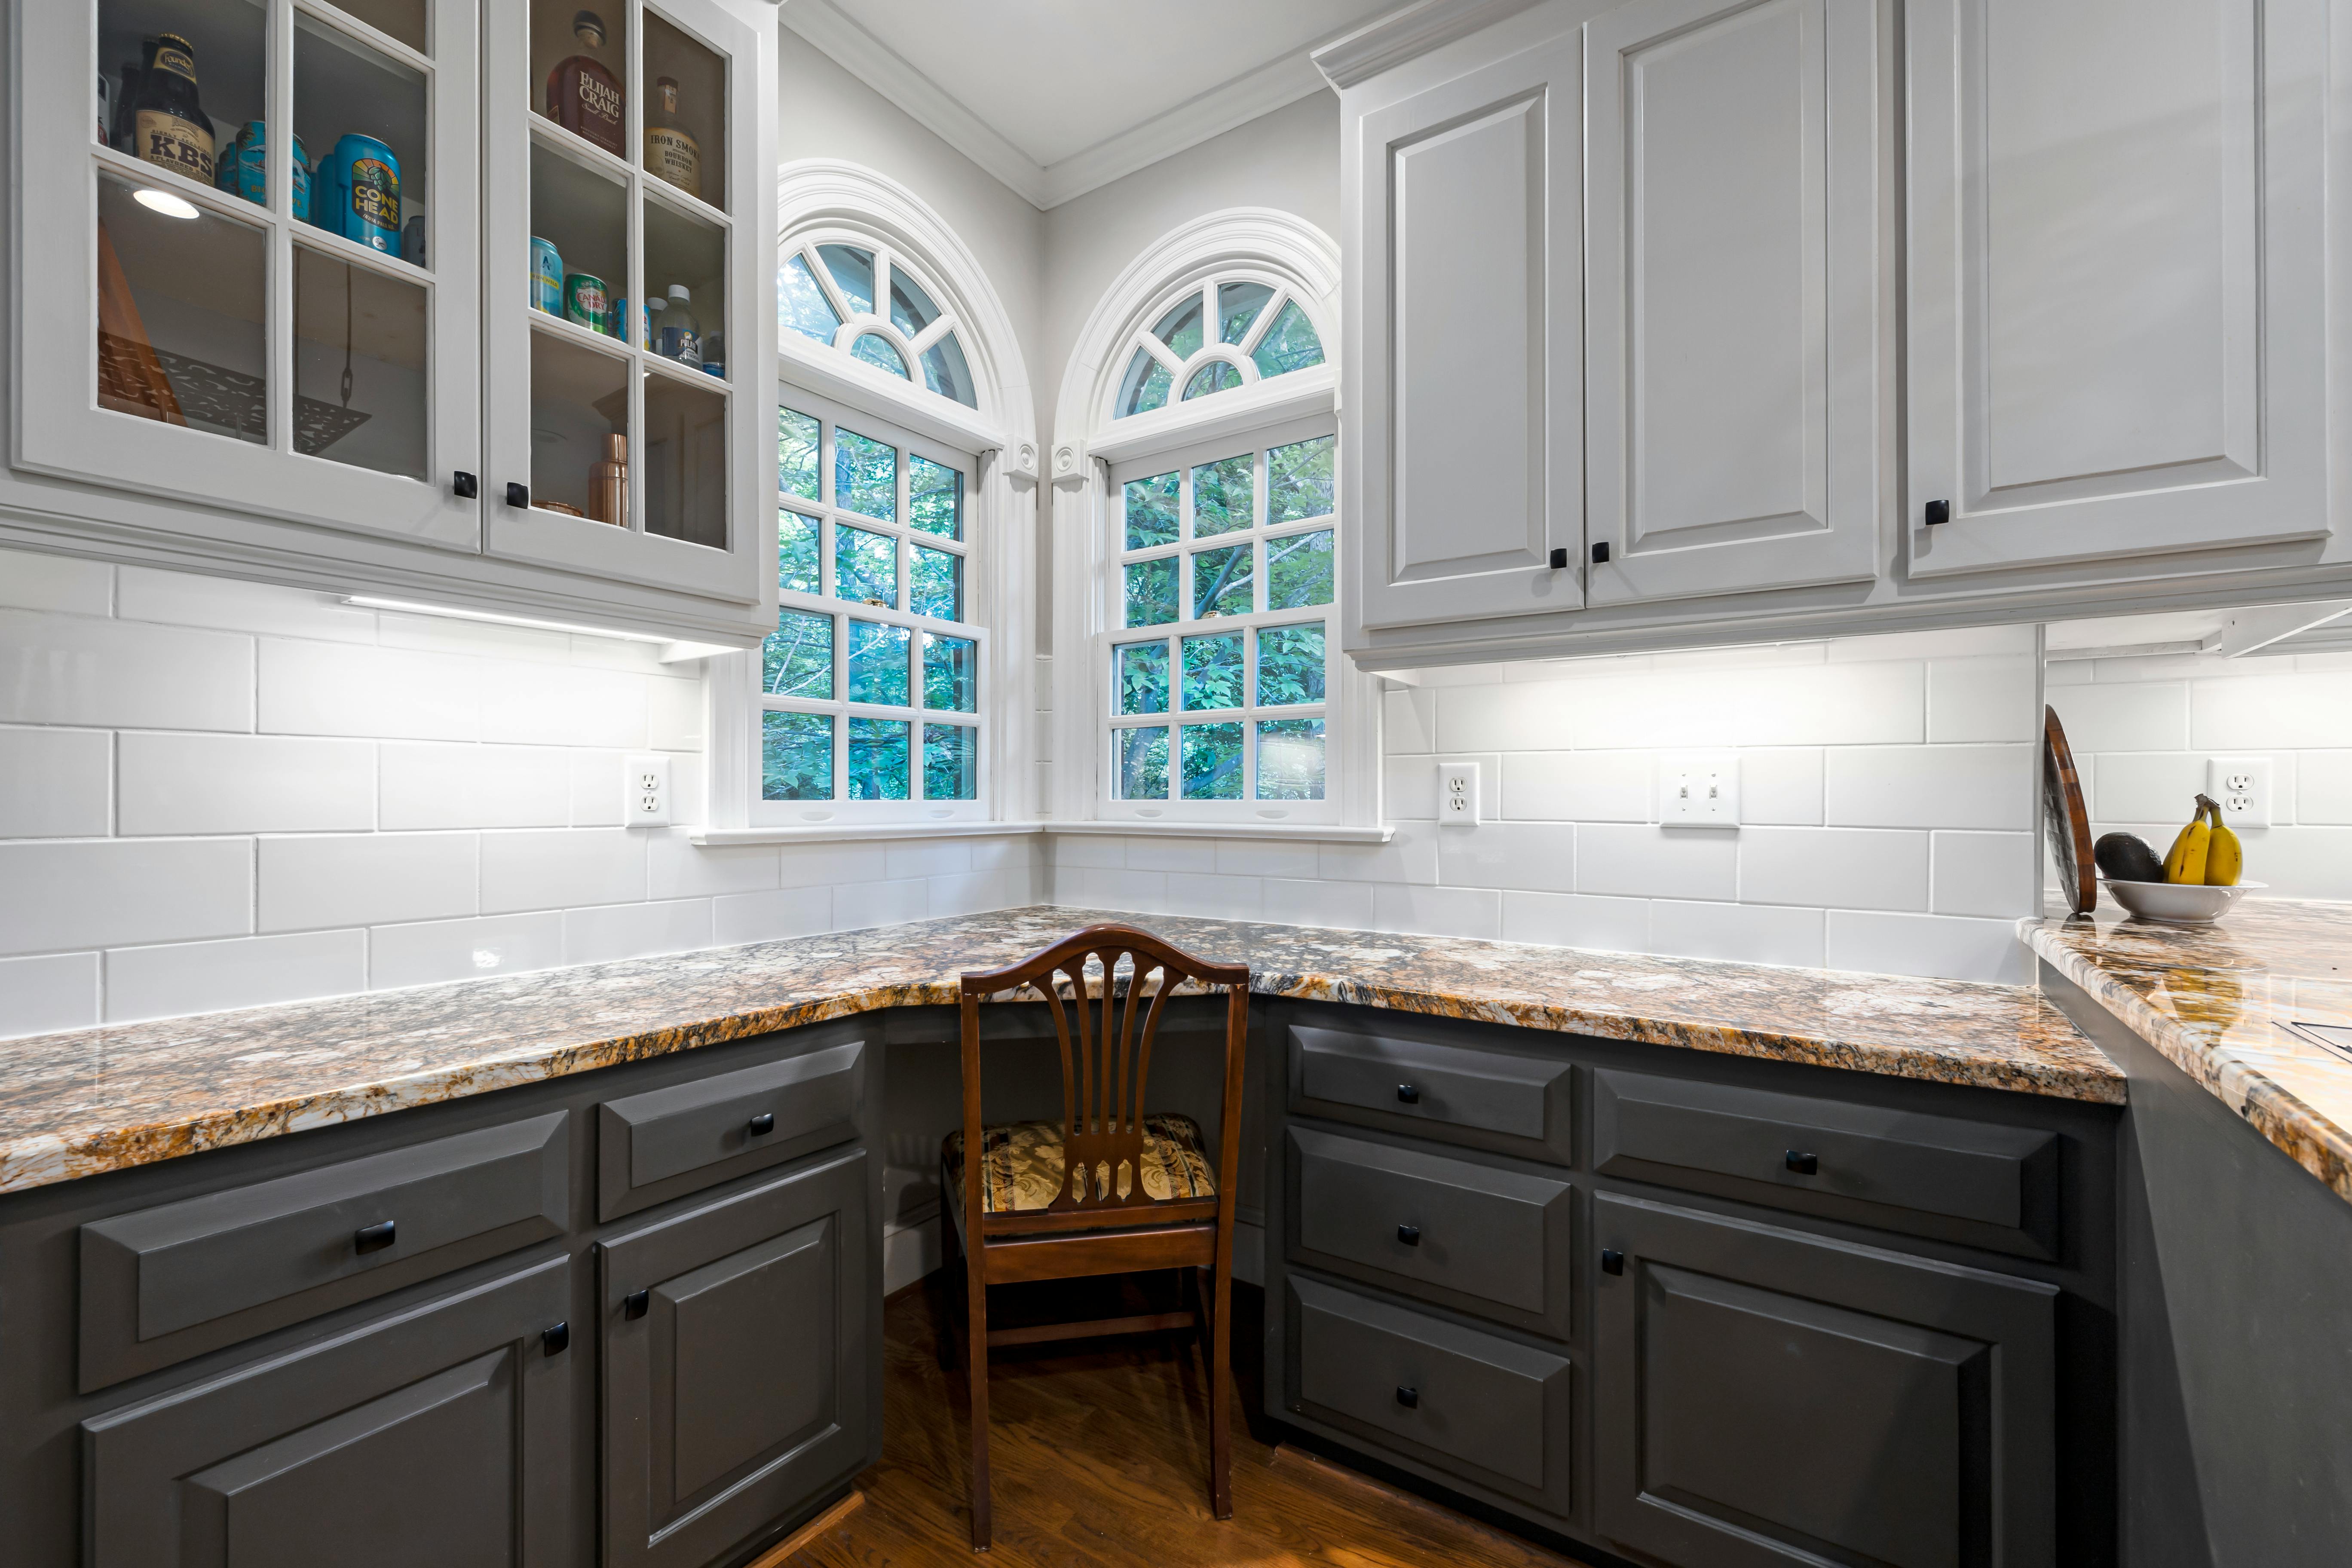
{"x": 658, "y": 1145}
{"x": 1971, "y": 1182}
{"x": 1486, "y": 1097}
{"x": 166, "y": 1283}
{"x": 1470, "y": 1237}
{"x": 1474, "y": 1406}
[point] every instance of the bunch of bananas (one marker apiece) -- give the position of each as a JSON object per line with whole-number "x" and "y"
{"x": 2205, "y": 851}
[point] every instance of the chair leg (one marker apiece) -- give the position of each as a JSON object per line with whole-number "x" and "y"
{"x": 976, "y": 1377}
{"x": 1220, "y": 1336}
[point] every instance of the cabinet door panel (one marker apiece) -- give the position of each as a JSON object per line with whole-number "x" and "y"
{"x": 1732, "y": 367}
{"x": 2115, "y": 278}
{"x": 1469, "y": 473}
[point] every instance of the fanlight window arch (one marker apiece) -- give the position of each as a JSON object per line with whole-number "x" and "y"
{"x": 870, "y": 304}
{"x": 1230, "y": 332}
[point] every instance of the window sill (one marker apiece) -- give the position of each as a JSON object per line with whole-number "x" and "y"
{"x": 1307, "y": 832}
{"x": 1304, "y": 832}
{"x": 835, "y": 832}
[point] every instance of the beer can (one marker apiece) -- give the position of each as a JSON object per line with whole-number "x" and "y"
{"x": 362, "y": 179}
{"x": 546, "y": 277}
{"x": 245, "y": 169}
{"x": 585, "y": 302}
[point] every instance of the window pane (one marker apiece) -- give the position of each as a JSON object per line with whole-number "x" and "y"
{"x": 1290, "y": 759}
{"x": 911, "y": 309}
{"x": 1298, "y": 481}
{"x": 865, "y": 566}
{"x": 1289, "y": 345}
{"x": 801, "y": 304}
{"x": 1237, "y": 306}
{"x": 1150, "y": 591}
{"x": 1222, "y": 493}
{"x": 1213, "y": 672}
{"x": 1180, "y": 329}
{"x": 877, "y": 351}
{"x": 796, "y": 756}
{"x": 852, "y": 274}
{"x": 936, "y": 587}
{"x": 1289, "y": 665}
{"x": 1151, "y": 506}
{"x": 1215, "y": 377}
{"x": 950, "y": 762}
{"x": 950, "y": 673}
{"x": 1145, "y": 385}
{"x": 945, "y": 372}
{"x": 1140, "y": 670}
{"x": 877, "y": 663}
{"x": 800, "y": 558}
{"x": 1299, "y": 571}
{"x": 1213, "y": 762}
{"x": 877, "y": 759}
{"x": 935, "y": 497}
{"x": 1143, "y": 763}
{"x": 864, "y": 475}
{"x": 797, "y": 447}
{"x": 1222, "y": 581}
{"x": 797, "y": 658}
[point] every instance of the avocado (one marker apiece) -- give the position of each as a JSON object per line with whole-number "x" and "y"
{"x": 2125, "y": 857}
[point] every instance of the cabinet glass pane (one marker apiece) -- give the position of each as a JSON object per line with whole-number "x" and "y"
{"x": 950, "y": 762}
{"x": 686, "y": 276}
{"x": 401, "y": 19}
{"x": 576, "y": 59}
{"x": 877, "y": 663}
{"x": 1213, "y": 762}
{"x": 796, "y": 660}
{"x": 796, "y": 756}
{"x": 580, "y": 234}
{"x": 877, "y": 759}
{"x": 360, "y": 387}
{"x": 181, "y": 119}
{"x": 1140, "y": 764}
{"x": 579, "y": 409}
{"x": 1299, "y": 570}
{"x": 180, "y": 314}
{"x": 359, "y": 120}
{"x": 686, "y": 461}
{"x": 1290, "y": 759}
{"x": 950, "y": 673}
{"x": 684, "y": 88}
{"x": 935, "y": 584}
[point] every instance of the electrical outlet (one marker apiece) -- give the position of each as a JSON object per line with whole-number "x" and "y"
{"x": 2243, "y": 786}
{"x": 1457, "y": 794}
{"x": 1698, "y": 789}
{"x": 646, "y": 778}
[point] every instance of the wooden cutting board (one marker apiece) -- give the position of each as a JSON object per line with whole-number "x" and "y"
{"x": 2064, "y": 818}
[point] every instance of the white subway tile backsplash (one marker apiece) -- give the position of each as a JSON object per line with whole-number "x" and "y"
{"x": 1833, "y": 705}
{"x": 1578, "y": 786}
{"x": 1409, "y": 721}
{"x": 329, "y": 688}
{"x": 1987, "y": 874}
{"x": 492, "y": 640}
{"x": 677, "y": 868}
{"x": 1348, "y": 905}
{"x": 245, "y": 784}
{"x": 187, "y": 599}
{"x": 1576, "y": 920}
{"x": 432, "y": 785}
{"x": 2292, "y": 862}
{"x": 1536, "y": 857}
{"x": 926, "y": 858}
{"x": 34, "y": 582}
{"x": 1198, "y": 855}
{"x": 1973, "y": 700}
{"x": 1931, "y": 786}
{"x": 1437, "y": 912}
{"x": 2323, "y": 786}
{"x": 1781, "y": 785}
{"x": 814, "y": 864}
{"x": 2296, "y": 711}
{"x": 1940, "y": 946}
{"x": 1504, "y": 718}
{"x": 366, "y": 878}
{"x": 2152, "y": 717}
{"x": 614, "y": 932}
{"x": 1099, "y": 851}
{"x": 598, "y": 798}
{"x": 1408, "y": 856}
{"x": 673, "y": 714}
{"x": 55, "y": 784}
{"x": 561, "y": 868}
{"x": 250, "y": 972}
{"x": 968, "y": 893}
{"x": 2144, "y": 786}
{"x": 74, "y": 670}
{"x": 1261, "y": 857}
{"x": 770, "y": 917}
{"x": 1216, "y": 896}
{"x": 55, "y": 991}
{"x": 861, "y": 904}
{"x": 1860, "y": 868}
{"x": 1743, "y": 933}
{"x": 78, "y": 893}
{"x": 434, "y": 950}
{"x": 558, "y": 705}
{"x": 1646, "y": 861}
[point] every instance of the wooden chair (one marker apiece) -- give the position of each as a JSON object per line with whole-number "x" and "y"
{"x": 1085, "y": 1210}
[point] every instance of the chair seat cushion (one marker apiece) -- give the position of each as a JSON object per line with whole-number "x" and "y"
{"x": 1022, "y": 1170}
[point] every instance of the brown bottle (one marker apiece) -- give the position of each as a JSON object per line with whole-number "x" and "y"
{"x": 671, "y": 150}
{"x": 584, "y": 95}
{"x": 608, "y": 482}
{"x": 170, "y": 126}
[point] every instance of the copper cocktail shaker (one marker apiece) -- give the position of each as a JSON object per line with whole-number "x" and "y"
{"x": 608, "y": 482}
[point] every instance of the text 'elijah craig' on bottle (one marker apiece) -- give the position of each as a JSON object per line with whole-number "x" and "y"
{"x": 169, "y": 124}
{"x": 584, "y": 95}
{"x": 671, "y": 150}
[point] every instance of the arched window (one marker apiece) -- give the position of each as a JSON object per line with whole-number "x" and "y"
{"x": 873, "y": 305}
{"x": 1224, "y": 332}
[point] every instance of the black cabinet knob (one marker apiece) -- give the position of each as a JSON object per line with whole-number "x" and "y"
{"x": 1803, "y": 1165}
{"x": 635, "y": 1303}
{"x": 518, "y": 497}
{"x": 557, "y": 1340}
{"x": 1611, "y": 1261}
{"x": 1408, "y": 1094}
{"x": 464, "y": 485}
{"x": 1559, "y": 558}
{"x": 1601, "y": 554}
{"x": 1938, "y": 512}
{"x": 764, "y": 1123}
{"x": 374, "y": 1237}
{"x": 1410, "y": 1235}
{"x": 1409, "y": 1397}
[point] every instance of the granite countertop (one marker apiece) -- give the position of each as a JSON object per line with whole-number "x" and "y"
{"x": 2215, "y": 1001}
{"x": 89, "y": 1100}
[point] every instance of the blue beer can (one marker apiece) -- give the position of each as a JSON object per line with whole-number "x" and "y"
{"x": 546, "y": 277}
{"x": 244, "y": 166}
{"x": 362, "y": 180}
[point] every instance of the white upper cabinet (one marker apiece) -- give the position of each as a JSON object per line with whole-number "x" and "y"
{"x": 1731, "y": 358}
{"x": 2117, "y": 273}
{"x": 1462, "y": 374}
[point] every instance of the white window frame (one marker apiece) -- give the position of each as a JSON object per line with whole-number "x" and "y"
{"x": 1239, "y": 355}
{"x": 856, "y": 324}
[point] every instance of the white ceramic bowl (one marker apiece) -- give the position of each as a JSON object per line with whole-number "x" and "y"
{"x": 2178, "y": 903}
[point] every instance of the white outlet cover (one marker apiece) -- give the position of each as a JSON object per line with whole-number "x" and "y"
{"x": 1457, "y": 794}
{"x": 644, "y": 789}
{"x": 2242, "y": 787}
{"x": 1698, "y": 789}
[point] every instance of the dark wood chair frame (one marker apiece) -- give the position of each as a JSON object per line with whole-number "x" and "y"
{"x": 1090, "y": 1227}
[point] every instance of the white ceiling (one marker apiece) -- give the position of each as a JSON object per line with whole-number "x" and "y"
{"x": 1054, "y": 97}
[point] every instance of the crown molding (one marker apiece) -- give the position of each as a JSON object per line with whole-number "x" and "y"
{"x": 1276, "y": 85}
{"x": 1404, "y": 34}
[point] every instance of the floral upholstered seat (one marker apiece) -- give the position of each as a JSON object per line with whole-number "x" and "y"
{"x": 1021, "y": 1169}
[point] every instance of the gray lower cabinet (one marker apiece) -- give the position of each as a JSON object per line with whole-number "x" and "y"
{"x": 1763, "y": 1397}
{"x": 741, "y": 1366}
{"x": 439, "y": 1435}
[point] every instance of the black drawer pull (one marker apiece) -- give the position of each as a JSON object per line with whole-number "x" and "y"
{"x": 518, "y": 497}
{"x": 374, "y": 1237}
{"x": 762, "y": 1123}
{"x": 557, "y": 1340}
{"x": 1803, "y": 1165}
{"x": 635, "y": 1303}
{"x": 1612, "y": 1262}
{"x": 465, "y": 485}
{"x": 1408, "y": 1094}
{"x": 1409, "y": 1397}
{"x": 1410, "y": 1235}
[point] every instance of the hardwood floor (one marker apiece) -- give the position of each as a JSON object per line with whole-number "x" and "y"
{"x": 1100, "y": 1462}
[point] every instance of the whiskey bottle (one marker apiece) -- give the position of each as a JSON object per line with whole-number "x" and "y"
{"x": 671, "y": 150}
{"x": 584, "y": 95}
{"x": 170, "y": 124}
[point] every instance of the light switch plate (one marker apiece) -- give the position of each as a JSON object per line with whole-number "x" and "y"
{"x": 2242, "y": 787}
{"x": 646, "y": 789}
{"x": 1698, "y": 789}
{"x": 1457, "y": 794}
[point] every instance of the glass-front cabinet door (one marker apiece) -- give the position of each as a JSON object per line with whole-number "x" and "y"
{"x": 248, "y": 259}
{"x": 626, "y": 375}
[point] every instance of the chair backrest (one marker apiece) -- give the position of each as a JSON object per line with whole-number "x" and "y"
{"x": 1106, "y": 1067}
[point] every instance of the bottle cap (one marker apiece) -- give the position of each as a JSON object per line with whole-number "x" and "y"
{"x": 588, "y": 22}
{"x": 679, "y": 292}
{"x": 617, "y": 448}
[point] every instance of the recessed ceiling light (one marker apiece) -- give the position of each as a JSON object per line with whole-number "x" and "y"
{"x": 164, "y": 202}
